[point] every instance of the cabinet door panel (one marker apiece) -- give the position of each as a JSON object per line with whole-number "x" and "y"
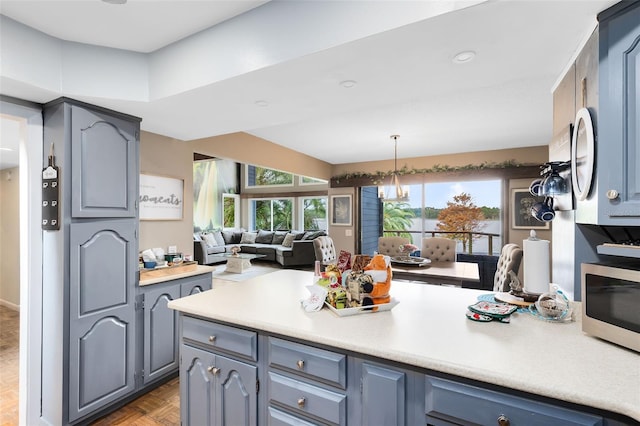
{"x": 236, "y": 396}
{"x": 383, "y": 395}
{"x": 196, "y": 285}
{"x": 104, "y": 165}
{"x": 103, "y": 259}
{"x": 619, "y": 121}
{"x": 196, "y": 387}
{"x": 160, "y": 333}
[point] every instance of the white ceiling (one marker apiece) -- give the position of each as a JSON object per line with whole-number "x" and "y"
{"x": 406, "y": 81}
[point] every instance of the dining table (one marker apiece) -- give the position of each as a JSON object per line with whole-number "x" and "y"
{"x": 440, "y": 273}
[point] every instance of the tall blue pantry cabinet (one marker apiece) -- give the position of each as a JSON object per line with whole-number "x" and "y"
{"x": 97, "y": 153}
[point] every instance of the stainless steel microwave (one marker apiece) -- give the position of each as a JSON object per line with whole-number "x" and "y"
{"x": 611, "y": 302}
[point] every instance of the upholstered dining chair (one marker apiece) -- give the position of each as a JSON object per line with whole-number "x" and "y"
{"x": 509, "y": 260}
{"x": 325, "y": 250}
{"x": 439, "y": 249}
{"x": 390, "y": 246}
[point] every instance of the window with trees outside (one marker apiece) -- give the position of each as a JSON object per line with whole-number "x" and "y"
{"x": 467, "y": 211}
{"x": 314, "y": 213}
{"x": 271, "y": 214}
{"x": 261, "y": 176}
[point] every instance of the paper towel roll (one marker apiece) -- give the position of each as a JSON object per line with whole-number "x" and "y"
{"x": 536, "y": 265}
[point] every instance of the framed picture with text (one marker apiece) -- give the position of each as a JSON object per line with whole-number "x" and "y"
{"x": 161, "y": 198}
{"x": 341, "y": 210}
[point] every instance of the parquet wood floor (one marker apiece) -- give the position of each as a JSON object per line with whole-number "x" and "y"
{"x": 9, "y": 346}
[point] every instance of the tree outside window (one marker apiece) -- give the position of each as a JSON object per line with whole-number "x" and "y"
{"x": 272, "y": 214}
{"x": 262, "y": 176}
{"x": 314, "y": 213}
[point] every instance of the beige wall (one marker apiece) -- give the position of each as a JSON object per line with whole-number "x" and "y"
{"x": 245, "y": 148}
{"x": 163, "y": 156}
{"x": 10, "y": 238}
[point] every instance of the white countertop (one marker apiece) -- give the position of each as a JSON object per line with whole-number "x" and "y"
{"x": 429, "y": 329}
{"x": 200, "y": 269}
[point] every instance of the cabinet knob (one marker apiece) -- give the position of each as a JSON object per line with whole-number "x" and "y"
{"x": 212, "y": 339}
{"x": 300, "y": 364}
{"x": 213, "y": 370}
{"x": 612, "y": 194}
{"x": 301, "y": 401}
{"x": 503, "y": 420}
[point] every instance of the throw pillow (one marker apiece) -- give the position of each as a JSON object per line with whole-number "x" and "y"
{"x": 228, "y": 237}
{"x": 288, "y": 240}
{"x": 248, "y": 238}
{"x": 209, "y": 240}
{"x": 264, "y": 237}
{"x": 298, "y": 235}
{"x": 218, "y": 237}
{"x": 237, "y": 236}
{"x": 278, "y": 237}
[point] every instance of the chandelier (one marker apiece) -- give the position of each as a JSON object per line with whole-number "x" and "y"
{"x": 395, "y": 191}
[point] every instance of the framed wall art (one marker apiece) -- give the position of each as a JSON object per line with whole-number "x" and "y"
{"x": 161, "y": 198}
{"x": 341, "y": 210}
{"x": 521, "y": 202}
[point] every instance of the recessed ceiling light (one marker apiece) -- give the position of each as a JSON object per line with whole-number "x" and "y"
{"x": 262, "y": 103}
{"x": 347, "y": 84}
{"x": 464, "y": 57}
{"x": 115, "y": 1}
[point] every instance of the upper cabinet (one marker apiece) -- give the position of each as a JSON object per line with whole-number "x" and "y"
{"x": 105, "y": 180}
{"x": 98, "y": 149}
{"x": 616, "y": 199}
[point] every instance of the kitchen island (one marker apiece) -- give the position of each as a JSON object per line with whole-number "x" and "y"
{"x": 426, "y": 333}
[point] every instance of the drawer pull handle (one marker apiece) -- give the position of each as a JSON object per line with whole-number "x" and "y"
{"x": 300, "y": 364}
{"x": 503, "y": 420}
{"x": 301, "y": 401}
{"x": 212, "y": 339}
{"x": 213, "y": 370}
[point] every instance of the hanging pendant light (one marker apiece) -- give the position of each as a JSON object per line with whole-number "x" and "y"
{"x": 397, "y": 193}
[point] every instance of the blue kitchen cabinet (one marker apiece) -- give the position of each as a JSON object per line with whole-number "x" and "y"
{"x": 101, "y": 329}
{"x": 96, "y": 250}
{"x": 617, "y": 159}
{"x": 160, "y": 342}
{"x": 307, "y": 384}
{"x": 218, "y": 375}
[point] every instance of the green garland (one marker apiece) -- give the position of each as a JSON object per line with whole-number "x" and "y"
{"x": 378, "y": 177}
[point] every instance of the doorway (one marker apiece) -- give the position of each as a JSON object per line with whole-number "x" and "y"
{"x": 29, "y": 117}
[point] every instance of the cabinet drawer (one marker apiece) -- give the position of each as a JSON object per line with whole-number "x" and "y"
{"x": 456, "y": 402}
{"x": 221, "y": 337}
{"x": 304, "y": 398}
{"x": 280, "y": 418}
{"x": 315, "y": 363}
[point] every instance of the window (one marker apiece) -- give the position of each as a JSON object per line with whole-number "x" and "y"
{"x": 230, "y": 211}
{"x": 262, "y": 176}
{"x": 440, "y": 209}
{"x": 314, "y": 213}
{"x": 271, "y": 214}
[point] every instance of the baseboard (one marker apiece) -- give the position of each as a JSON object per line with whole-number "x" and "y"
{"x": 10, "y": 305}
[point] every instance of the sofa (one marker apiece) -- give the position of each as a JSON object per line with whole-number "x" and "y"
{"x": 288, "y": 248}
